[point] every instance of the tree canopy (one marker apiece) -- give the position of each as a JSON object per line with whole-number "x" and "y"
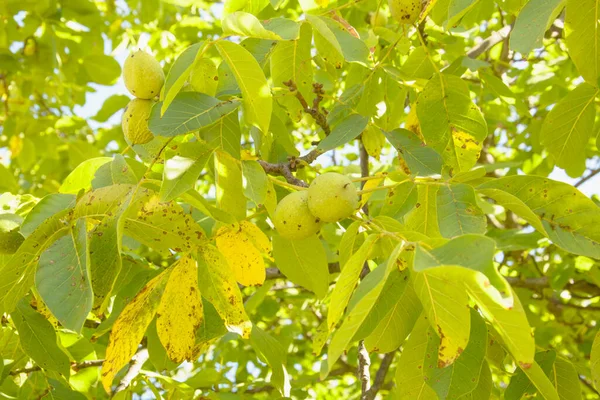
{"x": 303, "y": 199}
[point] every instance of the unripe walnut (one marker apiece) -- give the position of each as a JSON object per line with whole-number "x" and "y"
{"x": 135, "y": 122}
{"x": 143, "y": 75}
{"x": 292, "y": 218}
{"x": 332, "y": 197}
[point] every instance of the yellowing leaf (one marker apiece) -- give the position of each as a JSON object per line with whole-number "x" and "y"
{"x": 217, "y": 285}
{"x": 130, "y": 327}
{"x": 180, "y": 311}
{"x": 370, "y": 184}
{"x": 242, "y": 249}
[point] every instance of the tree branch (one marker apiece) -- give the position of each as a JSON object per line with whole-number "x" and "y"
{"x": 318, "y": 114}
{"x": 491, "y": 41}
{"x": 588, "y": 177}
{"x": 135, "y": 366}
{"x": 286, "y": 169}
{"x": 384, "y": 367}
{"x": 364, "y": 363}
{"x": 74, "y": 366}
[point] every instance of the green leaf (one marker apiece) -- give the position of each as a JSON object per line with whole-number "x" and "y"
{"x": 568, "y": 127}
{"x": 400, "y": 200}
{"x": 102, "y": 69}
{"x": 110, "y": 106}
{"x": 447, "y": 307}
{"x": 62, "y": 278}
{"x": 275, "y": 355}
{"x": 417, "y": 362}
{"x": 532, "y": 23}
{"x": 46, "y": 208}
{"x": 179, "y": 73}
{"x": 420, "y": 159}
{"x": 458, "y": 379}
{"x": 204, "y": 77}
{"x": 38, "y": 339}
{"x": 225, "y": 134}
{"x": 19, "y": 271}
{"x": 303, "y": 262}
{"x": 458, "y": 212}
{"x": 399, "y": 317}
{"x": 347, "y": 281}
{"x": 345, "y": 131}
{"x": 368, "y": 293}
{"x": 337, "y": 36}
{"x": 536, "y": 376}
{"x": 565, "y": 378}
{"x": 217, "y": 284}
{"x": 183, "y": 165}
{"x": 595, "y": 360}
{"x": 188, "y": 112}
{"x": 256, "y": 182}
{"x": 348, "y": 242}
{"x": 82, "y": 176}
{"x": 257, "y": 100}
{"x": 326, "y": 42}
{"x": 582, "y": 30}
{"x": 558, "y": 210}
{"x": 423, "y": 218}
{"x": 245, "y": 24}
{"x": 450, "y": 123}
{"x": 292, "y": 60}
{"x": 228, "y": 180}
{"x": 121, "y": 172}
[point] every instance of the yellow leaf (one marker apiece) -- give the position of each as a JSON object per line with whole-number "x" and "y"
{"x": 370, "y": 184}
{"x": 217, "y": 285}
{"x": 128, "y": 330}
{"x": 257, "y": 236}
{"x": 373, "y": 140}
{"x": 180, "y": 312}
{"x": 242, "y": 249}
{"x": 412, "y": 122}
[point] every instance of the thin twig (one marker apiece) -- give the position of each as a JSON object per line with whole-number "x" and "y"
{"x": 286, "y": 169}
{"x": 318, "y": 114}
{"x": 588, "y": 177}
{"x": 74, "y": 366}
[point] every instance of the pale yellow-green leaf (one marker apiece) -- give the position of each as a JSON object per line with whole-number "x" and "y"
{"x": 582, "y": 29}
{"x": 229, "y": 182}
{"x": 257, "y": 99}
{"x": 180, "y": 311}
{"x": 447, "y": 306}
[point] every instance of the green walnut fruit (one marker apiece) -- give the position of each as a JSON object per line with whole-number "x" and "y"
{"x": 332, "y": 197}
{"x": 292, "y": 218}
{"x": 10, "y": 238}
{"x": 135, "y": 122}
{"x": 405, "y": 11}
{"x": 378, "y": 19}
{"x": 143, "y": 75}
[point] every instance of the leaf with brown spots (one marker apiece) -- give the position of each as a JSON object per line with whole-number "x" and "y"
{"x": 162, "y": 225}
{"x": 129, "y": 328}
{"x": 180, "y": 312}
{"x": 217, "y": 284}
{"x": 243, "y": 249}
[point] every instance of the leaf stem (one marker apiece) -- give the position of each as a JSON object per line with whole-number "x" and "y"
{"x": 285, "y": 184}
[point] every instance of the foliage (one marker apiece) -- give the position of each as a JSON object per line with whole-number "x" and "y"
{"x": 461, "y": 269}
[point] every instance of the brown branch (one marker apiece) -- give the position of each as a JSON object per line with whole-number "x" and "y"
{"x": 74, "y": 366}
{"x": 364, "y": 375}
{"x": 318, "y": 114}
{"x": 275, "y": 273}
{"x": 135, "y": 366}
{"x": 285, "y": 169}
{"x": 587, "y": 178}
{"x": 384, "y": 367}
